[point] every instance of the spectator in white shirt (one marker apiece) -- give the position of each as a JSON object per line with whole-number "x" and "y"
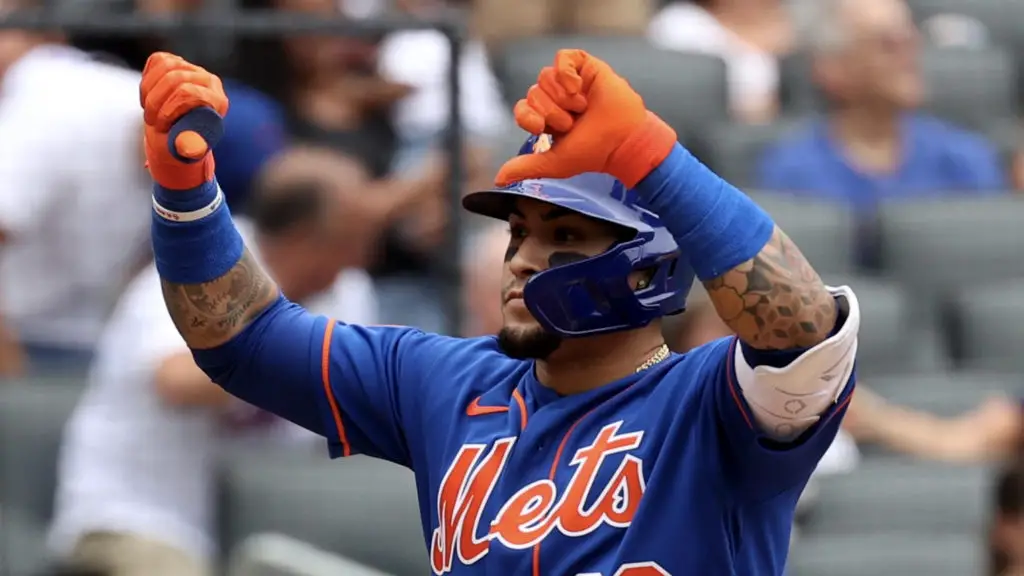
{"x": 748, "y": 34}
{"x": 136, "y": 490}
{"x": 68, "y": 159}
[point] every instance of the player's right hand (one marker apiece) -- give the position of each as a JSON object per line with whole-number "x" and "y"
{"x": 183, "y": 105}
{"x": 599, "y": 124}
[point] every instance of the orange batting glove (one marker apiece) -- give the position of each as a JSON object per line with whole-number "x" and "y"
{"x": 172, "y": 90}
{"x": 599, "y": 124}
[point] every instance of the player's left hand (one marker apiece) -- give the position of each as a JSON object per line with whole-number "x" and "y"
{"x": 599, "y": 124}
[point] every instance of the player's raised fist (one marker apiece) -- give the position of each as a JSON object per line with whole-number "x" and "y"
{"x": 183, "y": 106}
{"x": 599, "y": 124}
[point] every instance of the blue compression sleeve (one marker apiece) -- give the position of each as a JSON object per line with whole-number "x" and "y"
{"x": 205, "y": 249}
{"x": 717, "y": 226}
{"x": 196, "y": 251}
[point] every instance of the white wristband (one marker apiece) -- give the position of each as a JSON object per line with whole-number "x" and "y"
{"x": 194, "y": 214}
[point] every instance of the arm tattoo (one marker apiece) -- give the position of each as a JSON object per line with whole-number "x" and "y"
{"x": 211, "y": 313}
{"x": 775, "y": 301}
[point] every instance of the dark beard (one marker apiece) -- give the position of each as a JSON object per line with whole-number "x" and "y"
{"x": 535, "y": 344}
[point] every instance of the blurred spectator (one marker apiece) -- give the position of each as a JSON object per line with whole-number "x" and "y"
{"x": 1006, "y": 541}
{"x": 130, "y": 51}
{"x": 136, "y": 493}
{"x": 481, "y": 274}
{"x": 872, "y": 145}
{"x": 750, "y": 35}
{"x": 419, "y": 59}
{"x": 500, "y": 21}
{"x": 327, "y": 91}
{"x": 69, "y": 159}
{"x": 993, "y": 430}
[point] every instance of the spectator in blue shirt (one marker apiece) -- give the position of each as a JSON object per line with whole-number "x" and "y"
{"x": 872, "y": 145}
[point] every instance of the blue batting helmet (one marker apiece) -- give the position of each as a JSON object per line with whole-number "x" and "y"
{"x": 593, "y": 296}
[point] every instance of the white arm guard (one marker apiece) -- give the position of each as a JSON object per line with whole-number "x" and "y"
{"x": 787, "y": 401}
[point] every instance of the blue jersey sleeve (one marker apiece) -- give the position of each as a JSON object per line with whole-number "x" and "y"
{"x": 757, "y": 467}
{"x": 357, "y": 386}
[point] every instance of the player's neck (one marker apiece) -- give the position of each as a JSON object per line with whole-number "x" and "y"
{"x": 584, "y": 364}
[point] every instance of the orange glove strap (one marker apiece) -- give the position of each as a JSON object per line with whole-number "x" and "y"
{"x": 644, "y": 150}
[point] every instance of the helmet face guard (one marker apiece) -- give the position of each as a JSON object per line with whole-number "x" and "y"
{"x": 594, "y": 296}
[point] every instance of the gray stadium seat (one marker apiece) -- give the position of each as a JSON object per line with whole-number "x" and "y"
{"x": 363, "y": 509}
{"x": 1006, "y": 135}
{"x": 1001, "y": 18}
{"x": 824, "y": 231}
{"x": 280, "y": 555}
{"x": 32, "y": 417}
{"x": 883, "y": 554}
{"x": 733, "y": 150}
{"x": 895, "y": 495}
{"x": 945, "y": 394}
{"x": 970, "y": 86}
{"x": 687, "y": 90}
{"x": 888, "y": 342}
{"x": 32, "y": 421}
{"x": 936, "y": 247}
{"x": 989, "y": 322}
{"x": 966, "y": 86}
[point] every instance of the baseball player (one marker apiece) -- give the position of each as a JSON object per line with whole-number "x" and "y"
{"x": 574, "y": 442}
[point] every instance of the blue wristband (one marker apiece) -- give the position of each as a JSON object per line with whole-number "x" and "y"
{"x": 716, "y": 226}
{"x": 200, "y": 250}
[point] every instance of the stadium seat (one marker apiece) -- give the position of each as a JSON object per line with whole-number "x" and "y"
{"x": 733, "y": 150}
{"x": 687, "y": 90}
{"x": 887, "y": 344}
{"x": 23, "y": 551}
{"x": 970, "y": 86}
{"x": 1006, "y": 135}
{"x": 32, "y": 421}
{"x": 1001, "y": 18}
{"x": 280, "y": 555}
{"x": 935, "y": 247}
{"x": 945, "y": 394}
{"x": 365, "y": 510}
{"x": 887, "y": 554}
{"x": 32, "y": 418}
{"x": 895, "y": 495}
{"x": 823, "y": 231}
{"x": 988, "y": 323}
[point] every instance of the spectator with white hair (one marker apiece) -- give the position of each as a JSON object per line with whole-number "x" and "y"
{"x": 873, "y": 143}
{"x": 132, "y": 507}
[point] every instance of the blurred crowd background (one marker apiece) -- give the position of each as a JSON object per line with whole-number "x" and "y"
{"x": 883, "y": 135}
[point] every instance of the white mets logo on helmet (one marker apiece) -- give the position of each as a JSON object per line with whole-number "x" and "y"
{"x": 543, "y": 143}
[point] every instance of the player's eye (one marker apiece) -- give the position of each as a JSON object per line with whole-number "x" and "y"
{"x": 565, "y": 235}
{"x": 517, "y": 231}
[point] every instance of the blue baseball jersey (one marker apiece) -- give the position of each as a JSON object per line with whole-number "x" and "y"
{"x": 660, "y": 473}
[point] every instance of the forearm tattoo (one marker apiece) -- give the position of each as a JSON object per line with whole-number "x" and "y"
{"x": 211, "y": 313}
{"x": 776, "y": 300}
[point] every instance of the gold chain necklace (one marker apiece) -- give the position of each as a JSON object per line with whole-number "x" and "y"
{"x": 660, "y": 354}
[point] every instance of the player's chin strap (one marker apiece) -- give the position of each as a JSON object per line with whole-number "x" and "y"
{"x": 660, "y": 354}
